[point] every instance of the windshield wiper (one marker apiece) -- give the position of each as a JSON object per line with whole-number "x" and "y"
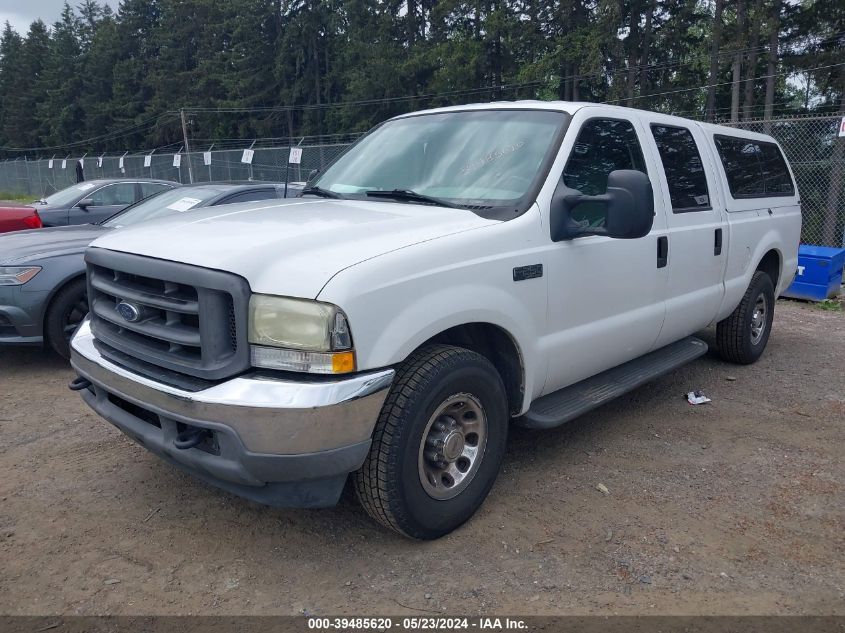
{"x": 322, "y": 193}
{"x": 411, "y": 196}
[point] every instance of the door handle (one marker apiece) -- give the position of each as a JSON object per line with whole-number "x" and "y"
{"x": 662, "y": 251}
{"x": 717, "y": 244}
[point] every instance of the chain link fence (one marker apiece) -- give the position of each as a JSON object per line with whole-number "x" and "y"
{"x": 817, "y": 157}
{"x": 37, "y": 178}
{"x": 814, "y": 150}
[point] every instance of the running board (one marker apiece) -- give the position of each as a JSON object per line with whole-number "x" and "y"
{"x": 570, "y": 402}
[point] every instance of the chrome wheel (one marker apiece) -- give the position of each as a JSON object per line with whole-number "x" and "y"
{"x": 453, "y": 446}
{"x": 758, "y": 318}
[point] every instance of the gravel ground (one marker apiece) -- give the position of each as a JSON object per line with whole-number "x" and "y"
{"x": 734, "y": 507}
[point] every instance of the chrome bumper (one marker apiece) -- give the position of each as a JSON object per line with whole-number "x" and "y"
{"x": 270, "y": 434}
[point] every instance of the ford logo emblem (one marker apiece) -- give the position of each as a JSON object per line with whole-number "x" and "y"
{"x": 129, "y": 311}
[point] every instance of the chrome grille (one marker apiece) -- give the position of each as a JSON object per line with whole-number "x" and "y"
{"x": 181, "y": 318}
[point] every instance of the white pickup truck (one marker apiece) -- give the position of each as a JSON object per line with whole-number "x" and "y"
{"x": 457, "y": 270}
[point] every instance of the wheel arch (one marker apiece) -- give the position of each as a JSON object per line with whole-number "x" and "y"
{"x": 48, "y": 302}
{"x": 772, "y": 264}
{"x": 498, "y": 346}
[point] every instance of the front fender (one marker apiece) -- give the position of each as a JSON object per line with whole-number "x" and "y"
{"x": 465, "y": 304}
{"x": 398, "y": 301}
{"x": 57, "y": 271}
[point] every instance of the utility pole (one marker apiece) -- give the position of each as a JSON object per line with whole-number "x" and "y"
{"x": 187, "y": 147}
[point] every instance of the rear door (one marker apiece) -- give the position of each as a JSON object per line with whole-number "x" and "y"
{"x": 696, "y": 226}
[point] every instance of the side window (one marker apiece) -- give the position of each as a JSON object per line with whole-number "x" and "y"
{"x": 684, "y": 170}
{"x": 754, "y": 169}
{"x": 602, "y": 146}
{"x": 149, "y": 188}
{"x": 249, "y": 196}
{"x": 776, "y": 176}
{"x": 742, "y": 166}
{"x": 122, "y": 193}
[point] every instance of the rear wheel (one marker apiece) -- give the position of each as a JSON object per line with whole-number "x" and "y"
{"x": 438, "y": 443}
{"x": 64, "y": 314}
{"x": 742, "y": 337}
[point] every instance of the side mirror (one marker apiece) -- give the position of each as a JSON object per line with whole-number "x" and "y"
{"x": 313, "y": 174}
{"x": 85, "y": 203}
{"x": 629, "y": 204}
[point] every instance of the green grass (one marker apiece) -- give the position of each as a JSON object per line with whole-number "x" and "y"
{"x": 17, "y": 197}
{"x": 831, "y": 305}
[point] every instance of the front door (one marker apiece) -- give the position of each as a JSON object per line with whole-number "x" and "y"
{"x": 606, "y": 296}
{"x": 107, "y": 201}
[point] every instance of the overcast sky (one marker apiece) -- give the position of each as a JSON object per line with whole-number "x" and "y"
{"x": 21, "y": 13}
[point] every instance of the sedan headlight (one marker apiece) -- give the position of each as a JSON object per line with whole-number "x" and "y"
{"x": 299, "y": 335}
{"x": 17, "y": 275}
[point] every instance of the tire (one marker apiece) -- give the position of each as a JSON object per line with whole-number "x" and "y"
{"x": 739, "y": 338}
{"x": 64, "y": 314}
{"x": 398, "y": 484}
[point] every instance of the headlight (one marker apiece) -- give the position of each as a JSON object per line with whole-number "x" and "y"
{"x": 17, "y": 275}
{"x": 299, "y": 335}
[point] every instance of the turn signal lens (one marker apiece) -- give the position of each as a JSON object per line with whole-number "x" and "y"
{"x": 343, "y": 362}
{"x": 302, "y": 361}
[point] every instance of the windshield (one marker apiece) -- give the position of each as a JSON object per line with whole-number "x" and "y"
{"x": 68, "y": 196}
{"x": 486, "y": 158}
{"x": 165, "y": 203}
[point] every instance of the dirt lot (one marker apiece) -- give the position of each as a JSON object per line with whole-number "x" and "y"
{"x": 732, "y": 507}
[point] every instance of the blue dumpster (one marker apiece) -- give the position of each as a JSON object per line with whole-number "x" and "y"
{"x": 819, "y": 273}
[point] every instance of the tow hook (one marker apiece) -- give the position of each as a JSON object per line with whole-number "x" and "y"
{"x": 79, "y": 383}
{"x": 190, "y": 438}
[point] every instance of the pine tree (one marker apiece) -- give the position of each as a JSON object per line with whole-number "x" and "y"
{"x": 59, "y": 109}
{"x": 12, "y": 78}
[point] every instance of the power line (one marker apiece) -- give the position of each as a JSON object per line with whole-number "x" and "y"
{"x": 154, "y": 121}
{"x": 469, "y": 91}
{"x": 103, "y": 137}
{"x": 724, "y": 83}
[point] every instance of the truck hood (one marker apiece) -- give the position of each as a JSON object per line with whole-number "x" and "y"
{"x": 35, "y": 244}
{"x": 289, "y": 247}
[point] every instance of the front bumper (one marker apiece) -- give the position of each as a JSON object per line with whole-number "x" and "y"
{"x": 279, "y": 441}
{"x": 20, "y": 316}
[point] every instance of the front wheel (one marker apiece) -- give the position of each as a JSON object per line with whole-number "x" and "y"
{"x": 438, "y": 443}
{"x": 64, "y": 314}
{"x": 742, "y": 337}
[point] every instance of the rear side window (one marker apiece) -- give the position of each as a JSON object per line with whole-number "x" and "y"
{"x": 775, "y": 174}
{"x": 754, "y": 169}
{"x": 149, "y": 188}
{"x": 250, "y": 196}
{"x": 683, "y": 167}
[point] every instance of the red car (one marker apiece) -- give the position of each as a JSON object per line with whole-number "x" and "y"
{"x": 17, "y": 218}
